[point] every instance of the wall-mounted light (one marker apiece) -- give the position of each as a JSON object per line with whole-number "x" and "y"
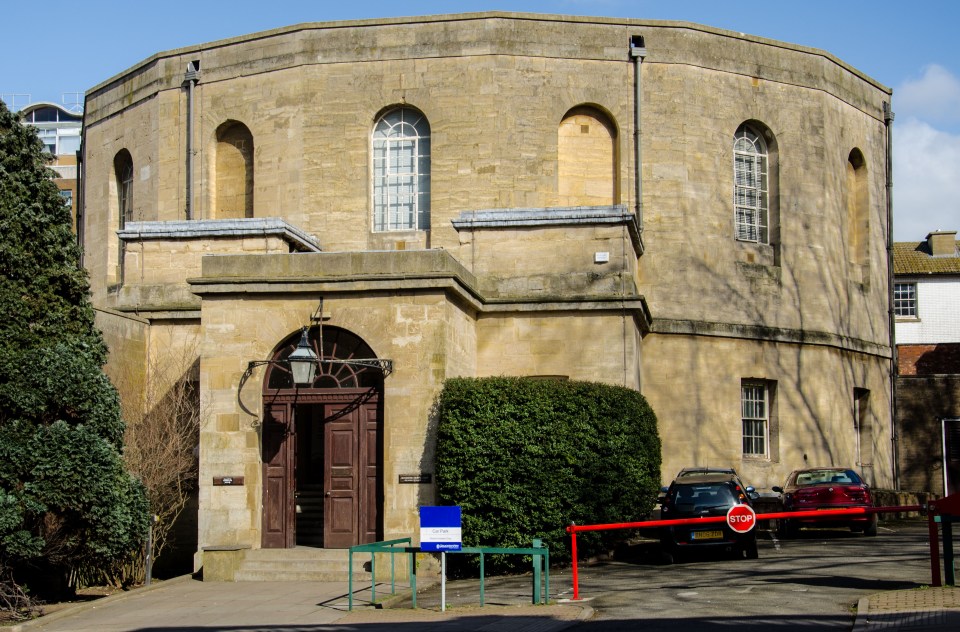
{"x": 303, "y": 361}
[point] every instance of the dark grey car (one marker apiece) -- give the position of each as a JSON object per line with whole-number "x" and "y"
{"x": 705, "y": 495}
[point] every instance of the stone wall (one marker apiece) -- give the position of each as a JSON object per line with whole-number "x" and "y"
{"x": 697, "y": 399}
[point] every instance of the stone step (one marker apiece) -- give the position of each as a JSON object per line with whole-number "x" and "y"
{"x": 302, "y": 563}
{"x": 243, "y": 575}
{"x": 299, "y": 553}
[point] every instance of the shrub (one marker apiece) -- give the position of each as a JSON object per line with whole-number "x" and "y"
{"x": 524, "y": 458}
{"x": 65, "y": 498}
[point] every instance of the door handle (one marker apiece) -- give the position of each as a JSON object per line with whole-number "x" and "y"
{"x": 327, "y": 494}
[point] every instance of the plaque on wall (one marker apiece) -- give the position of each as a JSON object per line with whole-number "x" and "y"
{"x": 228, "y": 480}
{"x": 416, "y": 479}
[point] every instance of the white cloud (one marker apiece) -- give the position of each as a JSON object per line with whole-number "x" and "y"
{"x": 934, "y": 97}
{"x": 926, "y": 180}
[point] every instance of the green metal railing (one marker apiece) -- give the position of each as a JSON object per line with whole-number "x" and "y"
{"x": 539, "y": 553}
{"x": 387, "y": 546}
{"x": 541, "y": 567}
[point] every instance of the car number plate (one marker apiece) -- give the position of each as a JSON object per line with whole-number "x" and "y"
{"x": 706, "y": 535}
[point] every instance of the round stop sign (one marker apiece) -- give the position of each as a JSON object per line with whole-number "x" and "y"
{"x": 741, "y": 518}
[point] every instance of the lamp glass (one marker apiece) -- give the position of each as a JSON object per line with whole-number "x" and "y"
{"x": 303, "y": 361}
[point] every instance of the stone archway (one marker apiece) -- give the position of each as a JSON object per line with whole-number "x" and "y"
{"x": 322, "y": 447}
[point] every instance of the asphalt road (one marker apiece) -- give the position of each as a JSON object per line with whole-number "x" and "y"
{"x": 812, "y": 582}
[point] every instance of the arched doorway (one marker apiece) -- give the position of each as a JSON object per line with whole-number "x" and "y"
{"x": 322, "y": 446}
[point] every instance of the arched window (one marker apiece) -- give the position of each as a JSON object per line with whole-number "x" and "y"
{"x": 233, "y": 196}
{"x": 751, "y": 191}
{"x": 335, "y": 347}
{"x": 857, "y": 213}
{"x": 587, "y": 159}
{"x": 123, "y": 172}
{"x": 401, "y": 171}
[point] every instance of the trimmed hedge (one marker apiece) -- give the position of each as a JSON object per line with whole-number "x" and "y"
{"x": 525, "y": 457}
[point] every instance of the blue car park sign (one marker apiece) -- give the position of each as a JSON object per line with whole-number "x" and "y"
{"x": 440, "y": 529}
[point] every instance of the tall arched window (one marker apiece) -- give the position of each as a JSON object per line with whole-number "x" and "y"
{"x": 401, "y": 171}
{"x": 233, "y": 196}
{"x": 751, "y": 186}
{"x": 587, "y": 159}
{"x": 123, "y": 172}
{"x": 857, "y": 213}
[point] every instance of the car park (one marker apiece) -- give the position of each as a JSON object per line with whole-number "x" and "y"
{"x": 700, "y": 495}
{"x": 822, "y": 489}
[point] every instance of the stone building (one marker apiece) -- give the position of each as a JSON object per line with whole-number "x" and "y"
{"x": 460, "y": 196}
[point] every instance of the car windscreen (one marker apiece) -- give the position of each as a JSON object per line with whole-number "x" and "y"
{"x": 701, "y": 497}
{"x": 821, "y": 477}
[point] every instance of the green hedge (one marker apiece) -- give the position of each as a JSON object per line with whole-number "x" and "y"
{"x": 524, "y": 457}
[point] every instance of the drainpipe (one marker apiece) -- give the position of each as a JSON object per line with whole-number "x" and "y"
{"x": 891, "y": 318}
{"x": 190, "y": 79}
{"x": 637, "y": 52}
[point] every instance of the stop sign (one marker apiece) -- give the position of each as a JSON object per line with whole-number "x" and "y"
{"x": 741, "y": 518}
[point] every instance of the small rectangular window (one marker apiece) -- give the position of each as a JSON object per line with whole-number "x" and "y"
{"x": 755, "y": 417}
{"x": 905, "y": 300}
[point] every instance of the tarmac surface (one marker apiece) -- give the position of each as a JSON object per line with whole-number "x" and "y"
{"x": 188, "y": 605}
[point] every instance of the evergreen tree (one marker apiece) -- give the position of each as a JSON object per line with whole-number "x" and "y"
{"x": 65, "y": 499}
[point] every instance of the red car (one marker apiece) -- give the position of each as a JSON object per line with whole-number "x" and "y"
{"x": 826, "y": 488}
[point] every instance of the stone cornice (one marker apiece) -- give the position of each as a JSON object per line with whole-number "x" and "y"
{"x": 220, "y": 228}
{"x": 768, "y": 334}
{"x": 493, "y": 219}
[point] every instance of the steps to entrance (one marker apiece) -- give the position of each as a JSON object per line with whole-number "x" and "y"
{"x": 300, "y": 564}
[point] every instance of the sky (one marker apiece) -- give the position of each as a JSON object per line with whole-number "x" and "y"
{"x": 57, "y": 49}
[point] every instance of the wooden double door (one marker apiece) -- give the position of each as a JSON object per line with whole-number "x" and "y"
{"x": 322, "y": 482}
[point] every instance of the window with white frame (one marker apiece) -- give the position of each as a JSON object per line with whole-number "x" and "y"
{"x": 750, "y": 189}
{"x": 905, "y": 300}
{"x": 755, "y": 416}
{"x": 401, "y": 171}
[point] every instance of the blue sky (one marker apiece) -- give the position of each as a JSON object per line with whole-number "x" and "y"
{"x": 51, "y": 49}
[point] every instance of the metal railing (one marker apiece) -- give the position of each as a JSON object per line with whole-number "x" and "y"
{"x": 387, "y": 546}
{"x": 539, "y": 553}
{"x": 541, "y": 567}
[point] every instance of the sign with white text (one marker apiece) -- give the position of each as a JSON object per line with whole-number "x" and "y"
{"x": 741, "y": 518}
{"x": 440, "y": 529}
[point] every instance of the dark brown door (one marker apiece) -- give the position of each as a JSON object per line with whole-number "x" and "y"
{"x": 278, "y": 482}
{"x": 352, "y": 487}
{"x": 370, "y": 479}
{"x": 351, "y": 481}
{"x": 341, "y": 475}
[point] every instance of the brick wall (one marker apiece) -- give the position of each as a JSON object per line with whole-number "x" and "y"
{"x": 936, "y": 359}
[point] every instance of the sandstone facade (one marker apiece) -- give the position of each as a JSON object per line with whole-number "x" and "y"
{"x": 536, "y": 259}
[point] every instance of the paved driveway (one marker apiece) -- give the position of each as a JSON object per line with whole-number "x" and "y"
{"x": 812, "y": 582}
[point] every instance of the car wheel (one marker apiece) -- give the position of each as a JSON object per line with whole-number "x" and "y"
{"x": 871, "y": 529}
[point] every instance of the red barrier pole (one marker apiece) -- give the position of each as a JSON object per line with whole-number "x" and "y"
{"x": 823, "y": 514}
{"x": 573, "y": 552}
